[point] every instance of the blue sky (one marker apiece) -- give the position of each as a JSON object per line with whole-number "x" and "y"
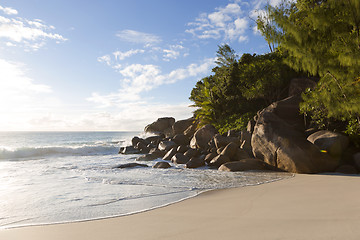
{"x": 112, "y": 65}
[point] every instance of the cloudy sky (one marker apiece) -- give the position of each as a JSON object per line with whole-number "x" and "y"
{"x": 91, "y": 65}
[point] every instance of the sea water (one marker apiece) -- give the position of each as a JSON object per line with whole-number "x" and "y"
{"x": 55, "y": 177}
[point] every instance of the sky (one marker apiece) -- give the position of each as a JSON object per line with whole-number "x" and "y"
{"x": 113, "y": 65}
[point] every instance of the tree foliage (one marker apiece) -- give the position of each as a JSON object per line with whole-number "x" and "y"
{"x": 239, "y": 88}
{"x": 268, "y": 28}
{"x": 322, "y": 38}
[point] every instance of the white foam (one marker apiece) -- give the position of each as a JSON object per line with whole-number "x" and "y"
{"x": 41, "y": 152}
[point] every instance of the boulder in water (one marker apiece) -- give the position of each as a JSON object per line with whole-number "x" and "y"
{"x": 180, "y": 158}
{"x": 129, "y": 150}
{"x": 162, "y": 165}
{"x": 130, "y": 165}
{"x": 195, "y": 162}
{"x": 161, "y": 126}
{"x": 166, "y": 145}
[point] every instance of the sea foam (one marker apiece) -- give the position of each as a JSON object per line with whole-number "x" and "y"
{"x": 43, "y": 152}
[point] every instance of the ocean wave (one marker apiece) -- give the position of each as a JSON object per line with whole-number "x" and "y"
{"x": 42, "y": 152}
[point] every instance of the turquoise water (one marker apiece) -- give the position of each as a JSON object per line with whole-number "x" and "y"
{"x": 53, "y": 177}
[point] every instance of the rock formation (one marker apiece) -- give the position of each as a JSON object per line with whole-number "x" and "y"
{"x": 275, "y": 140}
{"x": 279, "y": 140}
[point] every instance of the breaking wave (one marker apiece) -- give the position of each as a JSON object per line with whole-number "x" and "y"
{"x": 42, "y": 152}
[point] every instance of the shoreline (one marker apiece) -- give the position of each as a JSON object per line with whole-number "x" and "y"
{"x": 304, "y": 206}
{"x": 200, "y": 192}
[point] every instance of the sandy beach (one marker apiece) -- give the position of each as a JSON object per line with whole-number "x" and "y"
{"x": 303, "y": 207}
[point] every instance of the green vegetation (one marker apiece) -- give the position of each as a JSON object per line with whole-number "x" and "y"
{"x": 320, "y": 38}
{"x": 230, "y": 97}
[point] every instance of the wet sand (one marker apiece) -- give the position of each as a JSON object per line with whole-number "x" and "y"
{"x": 303, "y": 207}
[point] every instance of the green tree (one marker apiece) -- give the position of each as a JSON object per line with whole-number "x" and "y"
{"x": 226, "y": 56}
{"x": 323, "y": 39}
{"x": 239, "y": 88}
{"x": 268, "y": 28}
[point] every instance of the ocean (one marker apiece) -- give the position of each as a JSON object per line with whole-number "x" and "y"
{"x": 57, "y": 177}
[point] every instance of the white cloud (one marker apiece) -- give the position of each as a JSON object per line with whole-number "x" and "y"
{"x": 138, "y": 37}
{"x": 30, "y": 33}
{"x": 122, "y": 55}
{"x": 14, "y": 80}
{"x": 237, "y": 29}
{"x": 230, "y": 22}
{"x": 129, "y": 117}
{"x": 168, "y": 53}
{"x": 9, "y": 44}
{"x": 140, "y": 78}
{"x": 105, "y": 59}
{"x": 20, "y": 96}
{"x": 243, "y": 39}
{"x": 172, "y": 53}
{"x": 226, "y": 22}
{"x": 258, "y": 7}
{"x": 8, "y": 10}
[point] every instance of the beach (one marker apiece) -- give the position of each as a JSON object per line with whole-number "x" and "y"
{"x": 302, "y": 207}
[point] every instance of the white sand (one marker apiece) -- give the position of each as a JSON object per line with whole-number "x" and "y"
{"x": 303, "y": 207}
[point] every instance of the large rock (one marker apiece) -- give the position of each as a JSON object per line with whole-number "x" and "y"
{"x": 162, "y": 165}
{"x": 347, "y": 169}
{"x": 246, "y": 142}
{"x": 191, "y": 153}
{"x": 130, "y": 165}
{"x": 181, "y": 139}
{"x": 182, "y": 149}
{"x": 356, "y": 158}
{"x": 209, "y": 157}
{"x": 142, "y": 147}
{"x": 230, "y": 150}
{"x": 161, "y": 126}
{"x": 154, "y": 139}
{"x": 147, "y": 157}
{"x": 195, "y": 162}
{"x": 240, "y": 154}
{"x": 129, "y": 150}
{"x": 219, "y": 160}
{"x": 279, "y": 140}
{"x": 299, "y": 85}
{"x": 136, "y": 140}
{"x": 203, "y": 136}
{"x": 180, "y": 158}
{"x": 166, "y": 145}
{"x": 250, "y": 126}
{"x": 333, "y": 143}
{"x": 156, "y": 152}
{"x": 249, "y": 164}
{"x": 170, "y": 154}
{"x": 221, "y": 141}
{"x": 190, "y": 131}
{"x": 180, "y": 126}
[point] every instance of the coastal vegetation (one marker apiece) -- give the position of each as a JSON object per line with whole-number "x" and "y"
{"x": 316, "y": 39}
{"x": 239, "y": 88}
{"x": 295, "y": 109}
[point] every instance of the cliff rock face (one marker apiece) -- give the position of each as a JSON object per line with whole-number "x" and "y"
{"x": 279, "y": 140}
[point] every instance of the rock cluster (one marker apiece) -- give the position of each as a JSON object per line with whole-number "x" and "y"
{"x": 183, "y": 142}
{"x": 276, "y": 140}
